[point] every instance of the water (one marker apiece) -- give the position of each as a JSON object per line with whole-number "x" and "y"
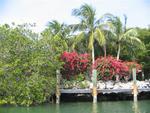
{"x": 84, "y": 107}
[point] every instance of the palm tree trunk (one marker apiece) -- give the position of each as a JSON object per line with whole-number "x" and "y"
{"x": 94, "y": 92}
{"x": 104, "y": 48}
{"x": 118, "y": 53}
{"x": 93, "y": 56}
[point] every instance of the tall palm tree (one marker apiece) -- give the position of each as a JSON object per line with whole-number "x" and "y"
{"x": 89, "y": 27}
{"x": 123, "y": 36}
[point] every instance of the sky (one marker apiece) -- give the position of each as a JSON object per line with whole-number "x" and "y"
{"x": 42, "y": 11}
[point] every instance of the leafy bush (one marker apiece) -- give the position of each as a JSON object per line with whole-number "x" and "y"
{"x": 27, "y": 66}
{"x": 26, "y": 91}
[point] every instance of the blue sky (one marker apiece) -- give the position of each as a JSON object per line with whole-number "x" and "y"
{"x": 42, "y": 11}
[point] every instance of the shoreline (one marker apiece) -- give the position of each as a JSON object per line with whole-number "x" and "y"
{"x": 104, "y": 85}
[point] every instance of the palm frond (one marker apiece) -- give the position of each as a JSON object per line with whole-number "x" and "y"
{"x": 131, "y": 35}
{"x": 77, "y": 39}
{"x": 54, "y": 25}
{"x": 107, "y": 26}
{"x": 108, "y": 17}
{"x": 86, "y": 13}
{"x": 99, "y": 36}
{"x": 77, "y": 27}
{"x": 131, "y": 32}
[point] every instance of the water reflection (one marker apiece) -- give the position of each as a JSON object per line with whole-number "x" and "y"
{"x": 94, "y": 108}
{"x": 57, "y": 108}
{"x": 84, "y": 107}
{"x": 135, "y": 107}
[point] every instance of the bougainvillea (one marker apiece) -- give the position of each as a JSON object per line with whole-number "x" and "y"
{"x": 74, "y": 64}
{"x": 109, "y": 67}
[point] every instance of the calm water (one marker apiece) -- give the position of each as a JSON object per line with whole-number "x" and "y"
{"x": 84, "y": 107}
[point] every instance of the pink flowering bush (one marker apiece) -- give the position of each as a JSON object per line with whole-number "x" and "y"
{"x": 74, "y": 64}
{"x": 108, "y": 67}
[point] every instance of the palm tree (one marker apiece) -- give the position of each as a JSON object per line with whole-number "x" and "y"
{"x": 89, "y": 27}
{"x": 123, "y": 36}
{"x": 56, "y": 29}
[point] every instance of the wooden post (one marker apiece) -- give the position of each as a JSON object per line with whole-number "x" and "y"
{"x": 58, "y": 86}
{"x": 94, "y": 91}
{"x": 135, "y": 89}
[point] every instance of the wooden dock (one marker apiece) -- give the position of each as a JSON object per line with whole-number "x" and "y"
{"x": 133, "y": 89}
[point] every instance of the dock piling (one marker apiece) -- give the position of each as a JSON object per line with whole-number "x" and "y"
{"x": 135, "y": 89}
{"x": 94, "y": 91}
{"x": 58, "y": 75}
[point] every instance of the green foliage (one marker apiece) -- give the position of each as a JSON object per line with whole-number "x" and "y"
{"x": 144, "y": 56}
{"x": 80, "y": 77}
{"x": 27, "y": 65}
{"x": 125, "y": 39}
